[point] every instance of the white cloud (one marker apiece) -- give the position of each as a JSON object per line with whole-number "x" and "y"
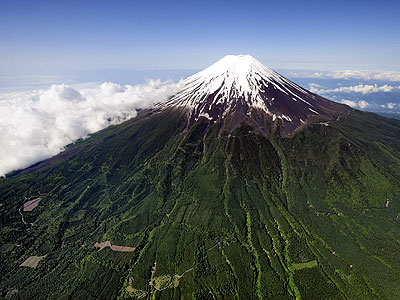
{"x": 38, "y": 124}
{"x": 349, "y": 74}
{"x": 389, "y": 105}
{"x": 363, "y": 104}
{"x": 313, "y": 85}
{"x": 363, "y": 89}
{"x": 360, "y": 104}
{"x": 349, "y": 103}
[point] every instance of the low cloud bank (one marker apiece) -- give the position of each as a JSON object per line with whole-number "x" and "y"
{"x": 38, "y": 124}
{"x": 349, "y": 74}
{"x": 361, "y": 88}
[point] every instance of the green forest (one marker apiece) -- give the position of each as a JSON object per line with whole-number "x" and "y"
{"x": 210, "y": 213}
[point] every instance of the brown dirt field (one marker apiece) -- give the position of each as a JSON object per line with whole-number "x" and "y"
{"x": 32, "y": 261}
{"x": 122, "y": 248}
{"x": 103, "y": 245}
{"x": 31, "y": 204}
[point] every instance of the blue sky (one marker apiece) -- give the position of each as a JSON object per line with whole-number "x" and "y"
{"x": 56, "y": 37}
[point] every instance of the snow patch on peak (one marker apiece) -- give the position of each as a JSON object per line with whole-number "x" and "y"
{"x": 233, "y": 76}
{"x": 240, "y": 82}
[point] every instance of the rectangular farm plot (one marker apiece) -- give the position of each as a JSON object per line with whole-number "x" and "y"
{"x": 32, "y": 261}
{"x": 103, "y": 245}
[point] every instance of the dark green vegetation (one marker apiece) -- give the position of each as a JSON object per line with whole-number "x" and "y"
{"x": 215, "y": 215}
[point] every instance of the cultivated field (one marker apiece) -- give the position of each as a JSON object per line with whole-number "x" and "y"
{"x": 32, "y": 261}
{"x": 103, "y": 245}
{"x": 31, "y": 204}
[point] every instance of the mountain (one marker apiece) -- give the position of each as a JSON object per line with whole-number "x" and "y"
{"x": 238, "y": 88}
{"x": 242, "y": 186}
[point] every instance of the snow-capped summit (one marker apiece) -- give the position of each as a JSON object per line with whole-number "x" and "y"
{"x": 241, "y": 84}
{"x": 233, "y": 76}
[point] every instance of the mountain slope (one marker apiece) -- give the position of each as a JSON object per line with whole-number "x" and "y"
{"x": 213, "y": 211}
